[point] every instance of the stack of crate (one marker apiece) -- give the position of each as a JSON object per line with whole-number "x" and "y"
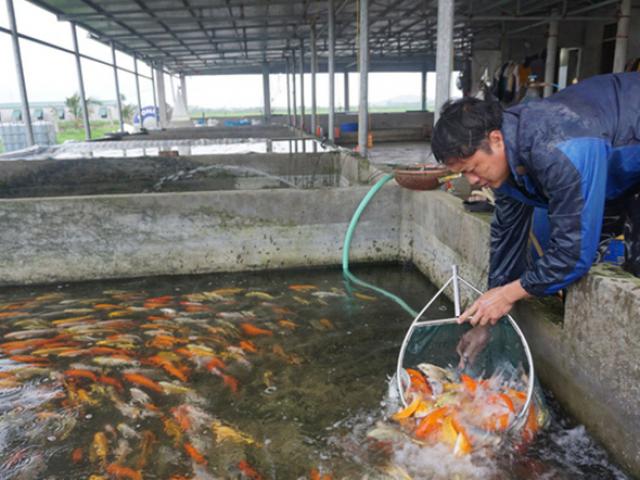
{"x": 14, "y": 135}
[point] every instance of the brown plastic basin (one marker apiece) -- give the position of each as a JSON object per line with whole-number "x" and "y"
{"x": 420, "y": 176}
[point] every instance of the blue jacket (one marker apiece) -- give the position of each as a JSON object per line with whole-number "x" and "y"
{"x": 567, "y": 154}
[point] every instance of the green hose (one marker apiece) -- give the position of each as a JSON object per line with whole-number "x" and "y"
{"x": 347, "y": 244}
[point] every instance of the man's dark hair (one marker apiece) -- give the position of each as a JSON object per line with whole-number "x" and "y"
{"x": 463, "y": 128}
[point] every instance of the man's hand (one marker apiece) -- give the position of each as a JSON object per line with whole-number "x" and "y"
{"x": 493, "y": 305}
{"x": 471, "y": 344}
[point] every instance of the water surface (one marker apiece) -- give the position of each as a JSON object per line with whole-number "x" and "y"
{"x": 269, "y": 375}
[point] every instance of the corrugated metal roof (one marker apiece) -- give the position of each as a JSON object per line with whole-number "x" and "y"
{"x": 238, "y": 36}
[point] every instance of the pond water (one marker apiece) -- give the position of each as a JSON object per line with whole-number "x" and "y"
{"x": 265, "y": 375}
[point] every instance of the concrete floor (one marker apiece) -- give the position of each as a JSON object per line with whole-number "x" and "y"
{"x": 401, "y": 153}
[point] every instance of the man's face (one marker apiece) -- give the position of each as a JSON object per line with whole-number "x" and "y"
{"x": 485, "y": 169}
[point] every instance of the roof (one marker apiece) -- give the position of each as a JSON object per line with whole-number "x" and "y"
{"x": 196, "y": 37}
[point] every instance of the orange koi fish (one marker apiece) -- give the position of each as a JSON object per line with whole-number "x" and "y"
{"x": 287, "y": 324}
{"x": 196, "y": 308}
{"x": 302, "y": 288}
{"x": 215, "y": 363}
{"x": 111, "y": 381}
{"x": 81, "y": 373}
{"x": 160, "y": 300}
{"x": 254, "y": 331}
{"x": 194, "y": 453}
{"x": 230, "y": 382}
{"x": 432, "y": 422}
{"x": 248, "y": 346}
{"x": 13, "y": 314}
{"x": 419, "y": 383}
{"x": 76, "y": 455}
{"x": 248, "y": 471}
{"x": 106, "y": 306}
{"x": 119, "y": 471}
{"x": 29, "y": 359}
{"x": 469, "y": 383}
{"x": 141, "y": 380}
{"x": 170, "y": 368}
{"x": 314, "y": 474}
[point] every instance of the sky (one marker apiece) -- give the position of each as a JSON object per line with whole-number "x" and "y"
{"x": 51, "y": 74}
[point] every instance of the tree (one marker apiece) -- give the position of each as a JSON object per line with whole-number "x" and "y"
{"x": 74, "y": 104}
{"x": 128, "y": 110}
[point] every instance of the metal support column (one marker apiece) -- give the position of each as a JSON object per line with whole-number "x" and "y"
{"x": 118, "y": 98}
{"x": 183, "y": 87}
{"x": 423, "y": 90}
{"x": 83, "y": 95}
{"x": 444, "y": 54}
{"x": 552, "y": 52}
{"x": 622, "y": 37}
{"x": 153, "y": 87}
{"x": 293, "y": 81}
{"x": 286, "y": 63}
{"x": 346, "y": 91}
{"x": 266, "y": 93}
{"x": 162, "y": 100}
{"x": 332, "y": 70}
{"x": 302, "y": 112}
{"x": 314, "y": 70}
{"x": 26, "y": 115}
{"x": 363, "y": 107}
{"x": 139, "y": 98}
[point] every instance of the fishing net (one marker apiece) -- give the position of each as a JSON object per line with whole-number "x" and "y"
{"x": 491, "y": 395}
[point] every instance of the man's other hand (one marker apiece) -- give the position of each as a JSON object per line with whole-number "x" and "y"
{"x": 471, "y": 344}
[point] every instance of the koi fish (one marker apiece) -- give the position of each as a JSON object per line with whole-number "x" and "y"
{"x": 226, "y": 292}
{"x": 127, "y": 473}
{"x": 148, "y": 439}
{"x": 99, "y": 448}
{"x": 302, "y": 288}
{"x": 301, "y": 300}
{"x": 194, "y": 453}
{"x": 287, "y": 324}
{"x": 141, "y": 380}
{"x": 248, "y": 471}
{"x": 260, "y": 295}
{"x": 248, "y": 346}
{"x": 172, "y": 429}
{"x": 366, "y": 298}
{"x": 76, "y": 455}
{"x": 253, "y": 331}
{"x": 79, "y": 373}
{"x": 225, "y": 433}
{"x": 325, "y": 322}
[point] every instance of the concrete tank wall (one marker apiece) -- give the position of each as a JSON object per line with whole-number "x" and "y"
{"x": 119, "y": 236}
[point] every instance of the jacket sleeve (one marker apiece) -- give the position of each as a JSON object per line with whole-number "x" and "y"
{"x": 573, "y": 175}
{"x": 509, "y": 233}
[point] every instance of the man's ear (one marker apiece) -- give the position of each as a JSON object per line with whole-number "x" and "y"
{"x": 495, "y": 139}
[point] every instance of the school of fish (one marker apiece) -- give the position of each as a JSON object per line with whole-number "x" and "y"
{"x": 463, "y": 413}
{"x": 131, "y": 360}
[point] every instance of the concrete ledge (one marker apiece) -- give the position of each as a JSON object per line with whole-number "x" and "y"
{"x": 119, "y": 236}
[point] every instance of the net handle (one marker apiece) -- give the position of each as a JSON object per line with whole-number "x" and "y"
{"x": 521, "y": 417}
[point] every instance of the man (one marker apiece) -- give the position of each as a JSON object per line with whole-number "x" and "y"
{"x": 566, "y": 154}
